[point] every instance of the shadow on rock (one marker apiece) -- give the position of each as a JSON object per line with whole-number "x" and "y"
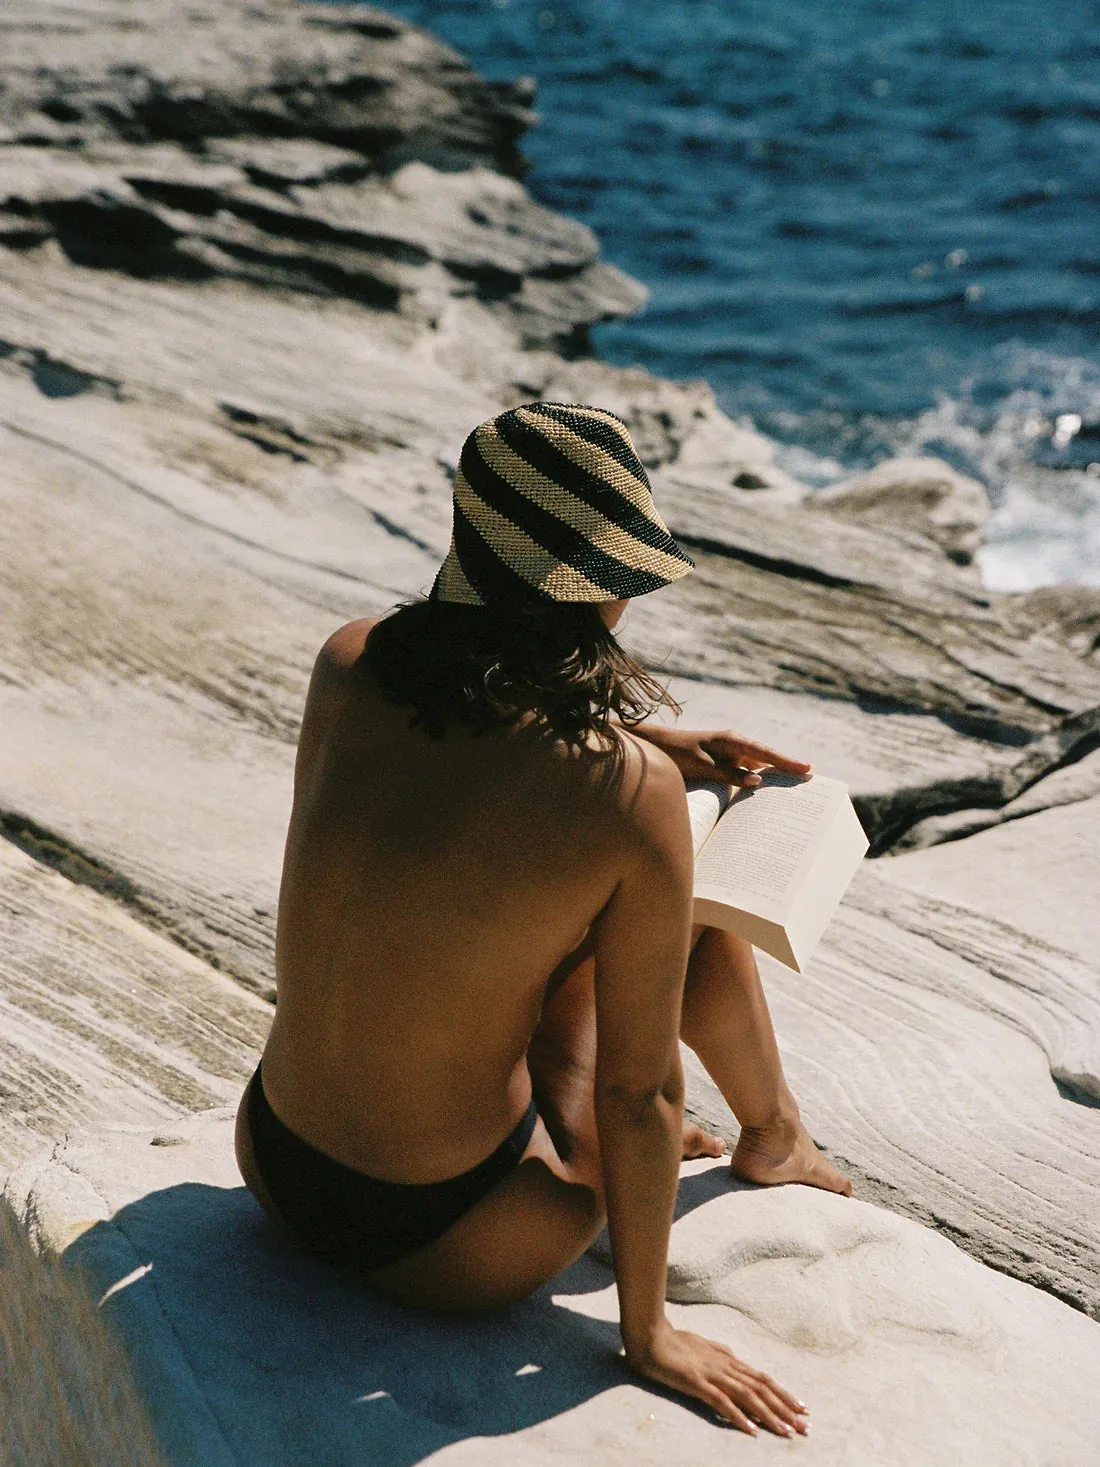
{"x": 248, "y": 1351}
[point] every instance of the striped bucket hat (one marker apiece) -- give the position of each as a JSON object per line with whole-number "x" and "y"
{"x": 551, "y": 502}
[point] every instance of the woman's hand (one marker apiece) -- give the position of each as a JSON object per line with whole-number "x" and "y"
{"x": 714, "y": 1375}
{"x": 718, "y": 754}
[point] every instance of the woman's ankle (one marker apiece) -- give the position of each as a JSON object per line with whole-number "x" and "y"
{"x": 780, "y": 1123}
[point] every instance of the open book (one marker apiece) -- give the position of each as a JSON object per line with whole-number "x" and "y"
{"x": 773, "y": 862}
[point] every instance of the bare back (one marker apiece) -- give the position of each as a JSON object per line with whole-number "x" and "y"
{"x": 430, "y": 888}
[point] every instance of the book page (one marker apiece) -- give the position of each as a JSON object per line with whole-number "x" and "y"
{"x": 706, "y": 799}
{"x": 827, "y": 879}
{"x": 766, "y": 838}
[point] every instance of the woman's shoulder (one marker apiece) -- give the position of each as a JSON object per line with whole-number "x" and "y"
{"x": 651, "y": 788}
{"x": 345, "y": 646}
{"x": 330, "y": 686}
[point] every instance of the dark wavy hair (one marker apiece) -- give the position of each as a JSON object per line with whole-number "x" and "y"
{"x": 488, "y": 665}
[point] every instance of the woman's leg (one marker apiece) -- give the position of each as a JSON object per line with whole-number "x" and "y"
{"x": 726, "y": 1022}
{"x": 562, "y": 1061}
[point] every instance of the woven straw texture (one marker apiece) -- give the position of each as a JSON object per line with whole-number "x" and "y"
{"x": 551, "y": 502}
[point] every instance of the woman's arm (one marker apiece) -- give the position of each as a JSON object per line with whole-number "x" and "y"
{"x": 642, "y": 940}
{"x": 717, "y": 753}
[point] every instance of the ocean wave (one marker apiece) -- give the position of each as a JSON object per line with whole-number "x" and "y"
{"x": 1029, "y": 430}
{"x": 857, "y": 219}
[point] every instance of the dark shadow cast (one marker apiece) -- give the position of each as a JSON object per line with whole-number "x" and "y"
{"x": 293, "y": 1361}
{"x": 705, "y": 1186}
{"x": 694, "y": 1190}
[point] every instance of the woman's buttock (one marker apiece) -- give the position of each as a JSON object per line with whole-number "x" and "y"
{"x": 345, "y": 1216}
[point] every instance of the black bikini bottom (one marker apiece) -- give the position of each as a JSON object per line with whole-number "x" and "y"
{"x": 346, "y": 1217}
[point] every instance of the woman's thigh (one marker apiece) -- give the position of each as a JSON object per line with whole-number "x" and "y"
{"x": 534, "y": 1223}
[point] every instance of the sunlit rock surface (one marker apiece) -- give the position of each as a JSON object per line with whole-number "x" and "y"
{"x": 262, "y": 267}
{"x": 906, "y": 1350}
{"x": 923, "y": 492}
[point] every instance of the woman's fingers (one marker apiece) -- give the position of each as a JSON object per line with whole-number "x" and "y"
{"x": 721, "y": 1402}
{"x": 757, "y": 756}
{"x": 732, "y": 749}
{"x": 771, "y": 1413}
{"x": 748, "y": 1400}
{"x": 785, "y": 1396}
{"x": 790, "y": 1414}
{"x": 758, "y": 1396}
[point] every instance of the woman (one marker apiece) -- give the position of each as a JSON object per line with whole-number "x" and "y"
{"x": 485, "y": 953}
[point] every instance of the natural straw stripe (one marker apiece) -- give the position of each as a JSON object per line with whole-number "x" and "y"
{"x": 588, "y": 455}
{"x": 453, "y": 582}
{"x": 554, "y": 535}
{"x": 540, "y": 451}
{"x": 577, "y": 513}
{"x": 523, "y": 555}
{"x": 616, "y": 442}
{"x": 485, "y": 570}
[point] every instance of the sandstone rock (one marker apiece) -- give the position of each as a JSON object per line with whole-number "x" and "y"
{"x": 293, "y": 217}
{"x": 923, "y": 494}
{"x": 213, "y": 454}
{"x": 1071, "y": 783}
{"x": 355, "y": 77}
{"x": 907, "y": 1351}
{"x": 103, "y": 1019}
{"x": 803, "y": 602}
{"x": 335, "y": 150}
{"x": 1068, "y": 613}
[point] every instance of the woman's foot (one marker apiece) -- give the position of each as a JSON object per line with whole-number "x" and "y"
{"x": 698, "y": 1142}
{"x": 784, "y": 1152}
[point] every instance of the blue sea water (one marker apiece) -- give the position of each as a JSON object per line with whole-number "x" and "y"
{"x": 872, "y": 225}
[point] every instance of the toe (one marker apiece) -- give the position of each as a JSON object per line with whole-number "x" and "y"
{"x": 836, "y": 1181}
{"x": 697, "y": 1142}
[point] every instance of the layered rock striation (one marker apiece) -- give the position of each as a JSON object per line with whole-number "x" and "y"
{"x": 262, "y": 267}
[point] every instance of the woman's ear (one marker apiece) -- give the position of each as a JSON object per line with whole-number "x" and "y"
{"x": 612, "y": 611}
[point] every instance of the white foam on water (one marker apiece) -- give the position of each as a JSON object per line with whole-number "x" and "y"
{"x": 1017, "y": 428}
{"x": 1040, "y": 537}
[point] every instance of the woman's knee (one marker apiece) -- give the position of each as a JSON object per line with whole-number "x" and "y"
{"x": 719, "y": 953}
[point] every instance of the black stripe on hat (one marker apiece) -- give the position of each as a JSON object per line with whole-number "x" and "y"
{"x": 560, "y": 540}
{"x": 587, "y": 423}
{"x": 492, "y": 578}
{"x": 553, "y": 462}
